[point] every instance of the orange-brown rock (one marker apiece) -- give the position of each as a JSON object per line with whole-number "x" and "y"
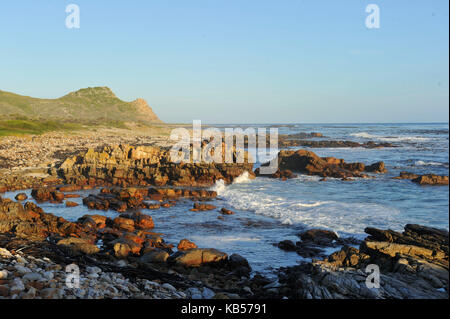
{"x": 197, "y": 257}
{"x": 143, "y": 221}
{"x": 185, "y": 244}
{"x": 71, "y": 204}
{"x": 21, "y": 197}
{"x": 124, "y": 247}
{"x": 225, "y": 211}
{"x": 44, "y": 194}
{"x": 310, "y": 163}
{"x": 124, "y": 223}
{"x": 126, "y": 165}
{"x": 431, "y": 179}
{"x": 202, "y": 207}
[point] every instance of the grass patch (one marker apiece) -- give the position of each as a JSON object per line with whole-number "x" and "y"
{"x": 29, "y": 127}
{"x": 24, "y": 126}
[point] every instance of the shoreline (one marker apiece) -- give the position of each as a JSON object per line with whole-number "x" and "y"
{"x": 56, "y": 174}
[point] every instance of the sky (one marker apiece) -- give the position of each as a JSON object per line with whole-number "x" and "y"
{"x": 237, "y": 61}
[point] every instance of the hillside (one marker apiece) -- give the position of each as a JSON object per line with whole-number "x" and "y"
{"x": 97, "y": 105}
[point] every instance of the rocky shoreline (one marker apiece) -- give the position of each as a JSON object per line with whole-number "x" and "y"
{"x": 123, "y": 257}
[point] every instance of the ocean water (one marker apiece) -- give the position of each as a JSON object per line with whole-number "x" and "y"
{"x": 271, "y": 210}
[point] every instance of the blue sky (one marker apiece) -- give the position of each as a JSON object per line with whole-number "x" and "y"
{"x": 237, "y": 61}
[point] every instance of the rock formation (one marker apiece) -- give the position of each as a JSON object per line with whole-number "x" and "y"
{"x": 126, "y": 165}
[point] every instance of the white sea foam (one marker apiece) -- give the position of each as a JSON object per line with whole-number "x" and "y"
{"x": 340, "y": 216}
{"x": 220, "y": 186}
{"x": 228, "y": 238}
{"x": 364, "y": 135}
{"x": 422, "y": 163}
{"x": 391, "y": 138}
{"x": 244, "y": 178}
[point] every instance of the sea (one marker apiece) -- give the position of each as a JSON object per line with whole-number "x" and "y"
{"x": 268, "y": 210}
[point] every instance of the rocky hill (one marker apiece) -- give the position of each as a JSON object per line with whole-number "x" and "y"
{"x": 89, "y": 105}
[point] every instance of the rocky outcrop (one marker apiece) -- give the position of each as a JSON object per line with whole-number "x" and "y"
{"x": 314, "y": 241}
{"x": 126, "y": 165}
{"x": 44, "y": 194}
{"x": 198, "y": 207}
{"x": 431, "y": 179}
{"x": 310, "y": 163}
{"x": 413, "y": 264}
{"x": 406, "y": 175}
{"x": 31, "y": 222}
{"x": 122, "y": 199}
{"x": 281, "y": 174}
{"x": 428, "y": 179}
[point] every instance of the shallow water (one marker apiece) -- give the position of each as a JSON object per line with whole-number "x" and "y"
{"x": 269, "y": 210}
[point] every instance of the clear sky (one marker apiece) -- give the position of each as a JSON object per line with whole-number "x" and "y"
{"x": 237, "y": 61}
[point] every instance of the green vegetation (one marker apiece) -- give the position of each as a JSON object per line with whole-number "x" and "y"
{"x": 90, "y": 107}
{"x": 23, "y": 127}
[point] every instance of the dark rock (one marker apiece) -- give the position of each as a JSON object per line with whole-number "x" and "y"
{"x": 287, "y": 245}
{"x": 154, "y": 256}
{"x": 319, "y": 236}
{"x": 225, "y": 211}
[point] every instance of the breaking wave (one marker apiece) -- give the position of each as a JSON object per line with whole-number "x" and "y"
{"x": 391, "y": 138}
{"x": 343, "y": 217}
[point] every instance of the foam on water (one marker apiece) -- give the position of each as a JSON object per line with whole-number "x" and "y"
{"x": 390, "y": 138}
{"x": 423, "y": 163}
{"x": 340, "y": 216}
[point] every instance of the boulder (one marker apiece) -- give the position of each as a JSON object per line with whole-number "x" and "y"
{"x": 307, "y": 162}
{"x": 21, "y": 197}
{"x": 143, "y": 221}
{"x": 377, "y": 167}
{"x": 124, "y": 247}
{"x": 197, "y": 257}
{"x": 124, "y": 223}
{"x": 203, "y": 207}
{"x": 79, "y": 245}
{"x": 431, "y": 179}
{"x": 185, "y": 244}
{"x": 287, "y": 245}
{"x": 225, "y": 211}
{"x": 154, "y": 256}
{"x": 71, "y": 204}
{"x": 406, "y": 175}
{"x": 44, "y": 194}
{"x": 319, "y": 236}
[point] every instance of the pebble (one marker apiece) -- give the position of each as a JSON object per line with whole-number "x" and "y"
{"x": 41, "y": 278}
{"x": 32, "y": 276}
{"x": 3, "y": 274}
{"x": 208, "y": 293}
